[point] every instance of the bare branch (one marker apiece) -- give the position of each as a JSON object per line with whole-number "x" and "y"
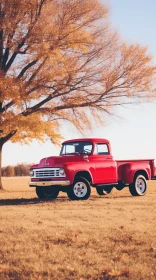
{"x": 8, "y": 137}
{"x": 12, "y": 58}
{"x": 29, "y": 65}
{"x": 1, "y": 47}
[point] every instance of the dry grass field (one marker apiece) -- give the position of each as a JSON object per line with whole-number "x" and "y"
{"x": 111, "y": 237}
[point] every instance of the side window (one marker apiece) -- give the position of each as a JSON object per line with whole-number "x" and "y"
{"x": 101, "y": 149}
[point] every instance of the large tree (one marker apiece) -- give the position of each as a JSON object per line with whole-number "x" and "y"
{"x": 60, "y": 60}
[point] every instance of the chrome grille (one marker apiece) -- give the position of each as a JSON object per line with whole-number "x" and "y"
{"x": 46, "y": 173}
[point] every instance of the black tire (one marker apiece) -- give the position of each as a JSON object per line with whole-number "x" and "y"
{"x": 80, "y": 190}
{"x": 47, "y": 192}
{"x": 139, "y": 186}
{"x": 103, "y": 190}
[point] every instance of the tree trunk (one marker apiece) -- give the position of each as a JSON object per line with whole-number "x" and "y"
{"x": 3, "y": 140}
{"x": 1, "y": 187}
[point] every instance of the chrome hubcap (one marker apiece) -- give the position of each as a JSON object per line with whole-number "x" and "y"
{"x": 80, "y": 189}
{"x": 140, "y": 186}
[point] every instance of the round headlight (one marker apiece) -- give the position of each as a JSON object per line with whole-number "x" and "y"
{"x": 31, "y": 173}
{"x": 61, "y": 172}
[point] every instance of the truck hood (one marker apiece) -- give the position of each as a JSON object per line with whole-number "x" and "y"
{"x": 57, "y": 161}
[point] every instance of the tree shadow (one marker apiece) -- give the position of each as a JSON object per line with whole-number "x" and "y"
{"x": 35, "y": 200}
{"x": 28, "y": 201}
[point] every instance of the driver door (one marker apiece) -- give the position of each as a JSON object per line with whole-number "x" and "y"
{"x": 105, "y": 166}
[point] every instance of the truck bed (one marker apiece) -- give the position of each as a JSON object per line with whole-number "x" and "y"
{"x": 135, "y": 164}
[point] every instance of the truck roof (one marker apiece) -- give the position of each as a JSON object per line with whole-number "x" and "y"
{"x": 93, "y": 140}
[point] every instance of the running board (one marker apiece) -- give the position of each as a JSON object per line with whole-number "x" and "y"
{"x": 105, "y": 185}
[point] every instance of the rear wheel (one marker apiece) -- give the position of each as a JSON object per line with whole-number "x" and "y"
{"x": 80, "y": 190}
{"x": 139, "y": 186}
{"x": 47, "y": 192}
{"x": 104, "y": 190}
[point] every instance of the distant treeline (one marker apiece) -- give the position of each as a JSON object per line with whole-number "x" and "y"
{"x": 18, "y": 170}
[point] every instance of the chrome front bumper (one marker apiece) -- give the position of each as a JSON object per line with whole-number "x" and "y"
{"x": 49, "y": 183}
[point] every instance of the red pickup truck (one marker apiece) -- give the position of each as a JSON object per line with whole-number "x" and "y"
{"x": 89, "y": 162}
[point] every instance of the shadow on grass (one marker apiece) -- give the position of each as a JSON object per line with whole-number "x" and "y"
{"x": 35, "y": 200}
{"x": 28, "y": 201}
{"x": 19, "y": 201}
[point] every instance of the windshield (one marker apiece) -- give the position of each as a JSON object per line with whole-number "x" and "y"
{"x": 76, "y": 148}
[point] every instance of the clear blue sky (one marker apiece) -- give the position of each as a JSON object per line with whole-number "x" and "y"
{"x": 135, "y": 20}
{"x": 133, "y": 131}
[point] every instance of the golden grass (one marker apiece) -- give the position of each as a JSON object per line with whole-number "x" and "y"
{"x": 103, "y": 238}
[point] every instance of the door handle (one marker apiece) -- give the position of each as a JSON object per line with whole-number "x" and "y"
{"x": 85, "y": 158}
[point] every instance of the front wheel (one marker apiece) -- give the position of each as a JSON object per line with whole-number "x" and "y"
{"x": 103, "y": 190}
{"x": 80, "y": 190}
{"x": 139, "y": 186}
{"x": 47, "y": 192}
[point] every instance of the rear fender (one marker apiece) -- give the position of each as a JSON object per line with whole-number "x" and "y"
{"x": 131, "y": 170}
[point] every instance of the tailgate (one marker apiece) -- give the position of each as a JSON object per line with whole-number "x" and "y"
{"x": 154, "y": 177}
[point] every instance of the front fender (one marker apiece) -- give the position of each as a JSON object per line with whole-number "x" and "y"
{"x": 71, "y": 169}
